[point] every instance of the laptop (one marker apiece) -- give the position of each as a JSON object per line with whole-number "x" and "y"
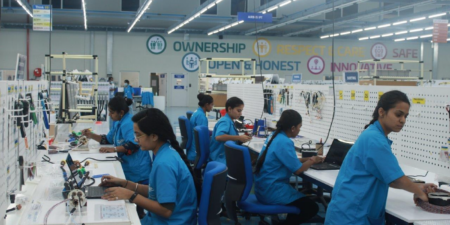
{"x": 92, "y": 192}
{"x": 335, "y": 156}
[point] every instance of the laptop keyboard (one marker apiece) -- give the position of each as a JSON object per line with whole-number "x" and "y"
{"x": 95, "y": 191}
{"x": 325, "y": 165}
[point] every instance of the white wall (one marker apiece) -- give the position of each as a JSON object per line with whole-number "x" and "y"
{"x": 131, "y": 54}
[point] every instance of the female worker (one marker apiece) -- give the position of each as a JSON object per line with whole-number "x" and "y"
{"x": 275, "y": 165}
{"x": 136, "y": 163}
{"x": 370, "y": 168}
{"x": 171, "y": 196}
{"x": 224, "y": 130}
{"x": 198, "y": 118}
{"x": 129, "y": 93}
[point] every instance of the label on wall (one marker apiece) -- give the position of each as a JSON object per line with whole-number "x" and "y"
{"x": 378, "y": 51}
{"x": 316, "y": 65}
{"x": 296, "y": 78}
{"x": 420, "y": 101}
{"x": 366, "y": 95}
{"x": 351, "y": 77}
{"x": 156, "y": 44}
{"x": 191, "y": 62}
{"x": 262, "y": 47}
{"x": 353, "y": 95}
{"x": 440, "y": 31}
{"x": 178, "y": 87}
{"x": 341, "y": 95}
{"x": 255, "y": 17}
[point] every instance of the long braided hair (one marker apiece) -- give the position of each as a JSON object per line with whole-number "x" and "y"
{"x": 289, "y": 118}
{"x": 388, "y": 101}
{"x": 154, "y": 121}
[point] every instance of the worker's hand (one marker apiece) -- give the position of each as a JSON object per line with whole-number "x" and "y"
{"x": 111, "y": 181}
{"x": 117, "y": 193}
{"x": 106, "y": 150}
{"x": 86, "y": 132}
{"x": 422, "y": 196}
{"x": 317, "y": 159}
{"x": 428, "y": 188}
{"x": 244, "y": 138}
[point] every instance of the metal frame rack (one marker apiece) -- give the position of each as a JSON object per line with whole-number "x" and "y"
{"x": 375, "y": 76}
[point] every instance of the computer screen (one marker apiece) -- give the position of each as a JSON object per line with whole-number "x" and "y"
{"x": 338, "y": 151}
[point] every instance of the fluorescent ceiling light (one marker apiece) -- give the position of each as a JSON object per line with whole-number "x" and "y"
{"x": 234, "y": 24}
{"x": 387, "y": 35}
{"x": 241, "y": 21}
{"x": 415, "y": 30}
{"x": 272, "y": 8}
{"x": 401, "y": 32}
{"x": 385, "y": 25}
{"x": 401, "y": 22}
{"x": 285, "y": 3}
{"x": 227, "y": 26}
{"x": 323, "y": 37}
{"x": 412, "y": 38}
{"x": 417, "y": 19}
{"x": 345, "y": 33}
{"x": 221, "y": 29}
{"x": 83, "y": 3}
{"x": 401, "y": 39}
{"x": 264, "y": 12}
{"x": 364, "y": 38}
{"x": 429, "y": 28}
{"x": 437, "y": 15}
{"x": 217, "y": 2}
{"x": 140, "y": 13}
{"x": 210, "y": 33}
{"x": 357, "y": 31}
{"x": 211, "y": 5}
{"x": 26, "y": 8}
{"x": 374, "y": 37}
{"x": 426, "y": 36}
{"x": 370, "y": 28}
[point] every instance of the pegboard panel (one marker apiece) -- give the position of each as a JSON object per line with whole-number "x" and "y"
{"x": 426, "y": 130}
{"x": 252, "y": 95}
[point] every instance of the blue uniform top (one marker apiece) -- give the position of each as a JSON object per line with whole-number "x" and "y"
{"x": 137, "y": 165}
{"x": 171, "y": 182}
{"x": 198, "y": 118}
{"x": 128, "y": 91}
{"x": 361, "y": 188}
{"x": 217, "y": 148}
{"x": 272, "y": 182}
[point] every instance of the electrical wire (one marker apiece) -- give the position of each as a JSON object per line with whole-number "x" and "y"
{"x": 259, "y": 57}
{"x": 51, "y": 209}
{"x": 100, "y": 160}
{"x": 418, "y": 175}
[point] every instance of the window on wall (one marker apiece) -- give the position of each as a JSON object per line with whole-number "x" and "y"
{"x": 10, "y": 3}
{"x": 56, "y": 4}
{"x": 71, "y": 4}
{"x": 130, "y": 5}
{"x": 264, "y": 2}
{"x": 212, "y": 10}
{"x": 238, "y": 6}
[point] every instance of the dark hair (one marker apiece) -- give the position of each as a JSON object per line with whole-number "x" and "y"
{"x": 388, "y": 101}
{"x": 127, "y": 81}
{"x": 233, "y": 102}
{"x": 154, "y": 121}
{"x": 110, "y": 78}
{"x": 119, "y": 103}
{"x": 289, "y": 118}
{"x": 204, "y": 99}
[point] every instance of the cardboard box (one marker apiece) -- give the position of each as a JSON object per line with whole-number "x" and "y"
{"x": 219, "y": 99}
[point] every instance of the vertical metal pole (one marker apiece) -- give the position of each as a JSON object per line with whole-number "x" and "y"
{"x": 421, "y": 60}
{"x": 435, "y": 61}
{"x": 242, "y": 64}
{"x": 96, "y": 88}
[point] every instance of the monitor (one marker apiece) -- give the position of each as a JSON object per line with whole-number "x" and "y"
{"x": 338, "y": 151}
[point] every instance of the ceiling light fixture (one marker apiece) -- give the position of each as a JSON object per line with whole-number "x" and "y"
{"x": 364, "y": 38}
{"x": 345, "y": 33}
{"x": 426, "y": 36}
{"x": 385, "y": 25}
{"x": 357, "y": 31}
{"x": 387, "y": 35}
{"x": 374, "y": 37}
{"x": 84, "y": 14}
{"x": 140, "y": 12}
{"x": 285, "y": 3}
{"x": 412, "y": 38}
{"x": 415, "y": 30}
{"x": 25, "y": 7}
{"x": 370, "y": 28}
{"x": 272, "y": 8}
{"x": 417, "y": 19}
{"x": 437, "y": 15}
{"x": 401, "y": 32}
{"x": 401, "y": 39}
{"x": 326, "y": 36}
{"x": 401, "y": 22}
{"x": 429, "y": 28}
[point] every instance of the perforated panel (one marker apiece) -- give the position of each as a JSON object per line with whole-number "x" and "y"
{"x": 418, "y": 144}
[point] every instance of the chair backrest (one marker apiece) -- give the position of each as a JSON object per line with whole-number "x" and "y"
{"x": 240, "y": 173}
{"x": 215, "y": 177}
{"x": 201, "y": 138}
{"x": 186, "y": 132}
{"x": 189, "y": 114}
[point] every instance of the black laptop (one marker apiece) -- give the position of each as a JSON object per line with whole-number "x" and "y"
{"x": 335, "y": 156}
{"x": 92, "y": 192}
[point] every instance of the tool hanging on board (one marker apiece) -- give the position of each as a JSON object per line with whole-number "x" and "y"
{"x": 32, "y": 108}
{"x": 307, "y": 97}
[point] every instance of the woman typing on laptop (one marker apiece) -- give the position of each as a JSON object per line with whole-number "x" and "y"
{"x": 370, "y": 168}
{"x": 275, "y": 165}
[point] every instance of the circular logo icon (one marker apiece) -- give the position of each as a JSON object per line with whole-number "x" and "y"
{"x": 378, "y": 51}
{"x": 316, "y": 65}
{"x": 191, "y": 62}
{"x": 262, "y": 46}
{"x": 156, "y": 44}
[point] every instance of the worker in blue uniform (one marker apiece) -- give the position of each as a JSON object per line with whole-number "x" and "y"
{"x": 171, "y": 196}
{"x": 129, "y": 93}
{"x": 370, "y": 168}
{"x": 224, "y": 130}
{"x": 276, "y": 164}
{"x": 198, "y": 118}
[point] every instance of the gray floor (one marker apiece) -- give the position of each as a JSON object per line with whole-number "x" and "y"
{"x": 173, "y": 113}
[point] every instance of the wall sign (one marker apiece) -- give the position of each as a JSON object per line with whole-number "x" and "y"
{"x": 42, "y": 20}
{"x": 262, "y": 46}
{"x": 156, "y": 44}
{"x": 378, "y": 51}
{"x": 316, "y": 65}
{"x": 296, "y": 78}
{"x": 191, "y": 62}
{"x": 351, "y": 77}
{"x": 255, "y": 17}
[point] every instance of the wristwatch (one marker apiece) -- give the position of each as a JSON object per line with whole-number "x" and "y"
{"x": 133, "y": 197}
{"x": 115, "y": 149}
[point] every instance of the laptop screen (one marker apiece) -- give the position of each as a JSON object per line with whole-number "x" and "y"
{"x": 73, "y": 168}
{"x": 338, "y": 151}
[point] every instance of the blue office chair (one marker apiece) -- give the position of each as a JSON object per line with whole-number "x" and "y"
{"x": 201, "y": 138}
{"x": 189, "y": 114}
{"x": 215, "y": 177}
{"x": 240, "y": 182}
{"x": 186, "y": 132}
